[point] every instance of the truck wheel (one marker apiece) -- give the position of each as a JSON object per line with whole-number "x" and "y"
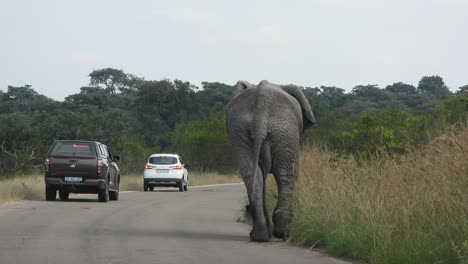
{"x": 64, "y": 195}
{"x": 114, "y": 195}
{"x": 51, "y": 194}
{"x": 103, "y": 195}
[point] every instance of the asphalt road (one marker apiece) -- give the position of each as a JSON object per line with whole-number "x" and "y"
{"x": 165, "y": 226}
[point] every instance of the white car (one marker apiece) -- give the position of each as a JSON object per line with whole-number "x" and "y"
{"x": 165, "y": 170}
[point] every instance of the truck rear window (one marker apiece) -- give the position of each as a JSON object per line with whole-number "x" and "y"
{"x": 74, "y": 148}
{"x": 162, "y": 160}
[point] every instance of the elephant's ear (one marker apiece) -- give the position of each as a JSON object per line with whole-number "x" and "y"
{"x": 242, "y": 85}
{"x": 307, "y": 115}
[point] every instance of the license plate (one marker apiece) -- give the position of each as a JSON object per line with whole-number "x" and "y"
{"x": 73, "y": 179}
{"x": 162, "y": 171}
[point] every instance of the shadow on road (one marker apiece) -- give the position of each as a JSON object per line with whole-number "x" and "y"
{"x": 74, "y": 200}
{"x": 183, "y": 234}
{"x": 165, "y": 190}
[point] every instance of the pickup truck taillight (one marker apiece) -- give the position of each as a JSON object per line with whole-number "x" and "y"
{"x": 178, "y": 167}
{"x": 99, "y": 166}
{"x": 46, "y": 165}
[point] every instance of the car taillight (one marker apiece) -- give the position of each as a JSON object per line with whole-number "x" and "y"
{"x": 148, "y": 167}
{"x": 99, "y": 166}
{"x": 46, "y": 165}
{"x": 178, "y": 167}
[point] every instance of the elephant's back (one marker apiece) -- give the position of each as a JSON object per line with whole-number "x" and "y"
{"x": 283, "y": 111}
{"x": 240, "y": 110}
{"x": 264, "y": 103}
{"x": 264, "y": 110}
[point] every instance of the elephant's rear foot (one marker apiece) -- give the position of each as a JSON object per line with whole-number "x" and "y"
{"x": 280, "y": 233}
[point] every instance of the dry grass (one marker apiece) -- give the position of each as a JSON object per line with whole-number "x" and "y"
{"x": 406, "y": 209}
{"x": 131, "y": 182}
{"x": 207, "y": 178}
{"x": 31, "y": 187}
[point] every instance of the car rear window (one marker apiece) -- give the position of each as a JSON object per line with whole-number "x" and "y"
{"x": 161, "y": 160}
{"x": 73, "y": 148}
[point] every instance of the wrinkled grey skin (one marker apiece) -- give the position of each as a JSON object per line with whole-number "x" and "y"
{"x": 265, "y": 122}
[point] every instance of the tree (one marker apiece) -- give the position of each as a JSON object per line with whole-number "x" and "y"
{"x": 94, "y": 96}
{"x": 23, "y": 99}
{"x": 311, "y": 91}
{"x": 155, "y": 110}
{"x": 401, "y": 88}
{"x": 332, "y": 91}
{"x": 334, "y": 96}
{"x": 20, "y": 97}
{"x": 209, "y": 137}
{"x": 213, "y": 99}
{"x": 115, "y": 80}
{"x": 17, "y": 150}
{"x": 433, "y": 85}
{"x": 371, "y": 91}
{"x": 463, "y": 90}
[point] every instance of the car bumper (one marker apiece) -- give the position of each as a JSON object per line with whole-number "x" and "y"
{"x": 163, "y": 181}
{"x": 59, "y": 182}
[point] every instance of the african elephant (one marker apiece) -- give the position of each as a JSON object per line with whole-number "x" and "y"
{"x": 265, "y": 122}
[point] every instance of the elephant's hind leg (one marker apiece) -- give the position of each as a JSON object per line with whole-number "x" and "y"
{"x": 260, "y": 230}
{"x": 254, "y": 182}
{"x": 283, "y": 212}
{"x": 285, "y": 176}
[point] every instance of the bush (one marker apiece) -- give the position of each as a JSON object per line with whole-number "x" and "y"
{"x": 205, "y": 146}
{"x": 391, "y": 130}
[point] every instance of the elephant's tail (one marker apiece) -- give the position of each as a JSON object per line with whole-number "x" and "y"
{"x": 257, "y": 172}
{"x": 259, "y": 134}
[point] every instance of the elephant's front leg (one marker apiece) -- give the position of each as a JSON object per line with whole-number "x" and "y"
{"x": 260, "y": 230}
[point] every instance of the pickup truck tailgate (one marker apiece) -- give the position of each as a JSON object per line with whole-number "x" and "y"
{"x": 75, "y": 166}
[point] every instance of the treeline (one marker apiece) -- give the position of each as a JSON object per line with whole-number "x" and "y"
{"x": 137, "y": 117}
{"x": 395, "y": 118}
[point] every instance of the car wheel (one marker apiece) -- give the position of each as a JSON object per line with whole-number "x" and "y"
{"x": 151, "y": 188}
{"x": 145, "y": 187}
{"x": 181, "y": 186}
{"x": 186, "y": 186}
{"x": 51, "y": 194}
{"x": 103, "y": 195}
{"x": 64, "y": 195}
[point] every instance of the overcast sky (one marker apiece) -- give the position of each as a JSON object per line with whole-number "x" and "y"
{"x": 54, "y": 45}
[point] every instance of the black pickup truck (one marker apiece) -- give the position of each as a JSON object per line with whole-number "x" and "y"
{"x": 73, "y": 166}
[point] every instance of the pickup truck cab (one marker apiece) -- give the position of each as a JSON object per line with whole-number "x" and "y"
{"x": 74, "y": 166}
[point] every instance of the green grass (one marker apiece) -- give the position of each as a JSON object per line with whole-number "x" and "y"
{"x": 388, "y": 210}
{"x": 31, "y": 187}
